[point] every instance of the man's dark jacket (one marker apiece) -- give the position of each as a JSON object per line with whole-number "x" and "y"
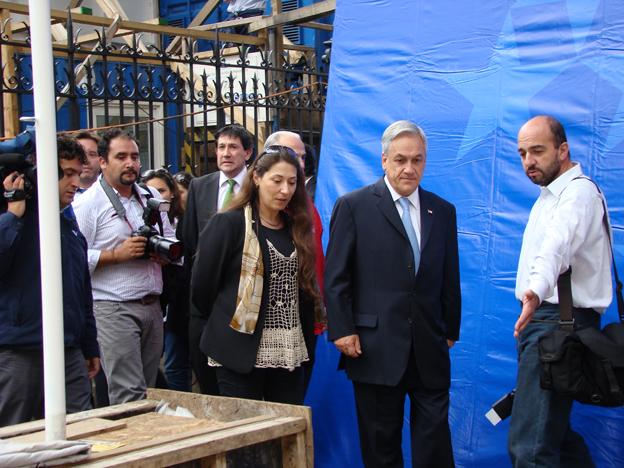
{"x": 20, "y": 284}
{"x": 371, "y": 289}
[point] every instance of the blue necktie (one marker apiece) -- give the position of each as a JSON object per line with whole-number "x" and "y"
{"x": 409, "y": 229}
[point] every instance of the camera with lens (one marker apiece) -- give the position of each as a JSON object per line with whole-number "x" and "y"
{"x": 168, "y": 249}
{"x": 17, "y": 154}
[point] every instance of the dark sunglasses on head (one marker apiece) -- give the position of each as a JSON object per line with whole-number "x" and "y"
{"x": 273, "y": 149}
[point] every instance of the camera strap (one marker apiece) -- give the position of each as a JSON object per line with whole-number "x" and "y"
{"x": 114, "y": 199}
{"x": 119, "y": 208}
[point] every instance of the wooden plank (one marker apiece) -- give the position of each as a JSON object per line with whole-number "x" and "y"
{"x": 218, "y": 460}
{"x": 113, "y": 9}
{"x": 216, "y": 407}
{"x": 226, "y": 24}
{"x": 109, "y": 412}
{"x": 160, "y": 435}
{"x": 199, "y": 19}
{"x": 10, "y": 101}
{"x": 293, "y": 451}
{"x": 83, "y": 38}
{"x": 77, "y": 430}
{"x": 164, "y": 452}
{"x": 317, "y": 25}
{"x": 138, "y": 26}
{"x": 300, "y": 15}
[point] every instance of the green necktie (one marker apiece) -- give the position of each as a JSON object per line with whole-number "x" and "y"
{"x": 228, "y": 193}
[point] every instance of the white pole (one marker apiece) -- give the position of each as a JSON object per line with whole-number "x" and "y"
{"x": 49, "y": 223}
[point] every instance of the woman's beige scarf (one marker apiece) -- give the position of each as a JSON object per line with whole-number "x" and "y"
{"x": 251, "y": 280}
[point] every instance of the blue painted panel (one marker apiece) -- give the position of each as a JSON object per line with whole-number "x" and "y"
{"x": 471, "y": 73}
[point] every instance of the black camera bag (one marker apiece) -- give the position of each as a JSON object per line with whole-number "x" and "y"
{"x": 585, "y": 364}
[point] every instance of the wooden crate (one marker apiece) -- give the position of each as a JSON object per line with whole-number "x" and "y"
{"x": 134, "y": 435}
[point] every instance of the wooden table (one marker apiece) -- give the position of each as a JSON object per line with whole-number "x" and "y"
{"x": 134, "y": 435}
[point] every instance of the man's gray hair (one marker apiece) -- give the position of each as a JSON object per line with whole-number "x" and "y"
{"x": 275, "y": 137}
{"x": 398, "y": 128}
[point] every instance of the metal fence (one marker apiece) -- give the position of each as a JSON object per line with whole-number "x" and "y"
{"x": 172, "y": 102}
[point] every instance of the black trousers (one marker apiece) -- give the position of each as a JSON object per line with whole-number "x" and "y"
{"x": 277, "y": 385}
{"x": 206, "y": 375}
{"x": 380, "y": 422}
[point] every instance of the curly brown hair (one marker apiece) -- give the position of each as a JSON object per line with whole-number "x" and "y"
{"x": 298, "y": 211}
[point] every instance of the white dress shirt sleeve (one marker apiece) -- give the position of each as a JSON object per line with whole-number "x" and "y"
{"x": 578, "y": 212}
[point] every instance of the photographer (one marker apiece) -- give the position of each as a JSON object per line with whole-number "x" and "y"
{"x": 126, "y": 283}
{"x": 21, "y": 354}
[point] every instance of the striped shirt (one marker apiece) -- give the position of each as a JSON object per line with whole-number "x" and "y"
{"x": 104, "y": 230}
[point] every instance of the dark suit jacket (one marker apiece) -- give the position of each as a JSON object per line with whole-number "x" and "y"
{"x": 371, "y": 289}
{"x": 201, "y": 205}
{"x": 214, "y": 287}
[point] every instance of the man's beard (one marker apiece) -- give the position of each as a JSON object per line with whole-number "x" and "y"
{"x": 123, "y": 178}
{"x": 547, "y": 175}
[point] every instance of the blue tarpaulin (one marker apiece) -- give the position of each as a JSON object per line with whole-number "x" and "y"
{"x": 470, "y": 73}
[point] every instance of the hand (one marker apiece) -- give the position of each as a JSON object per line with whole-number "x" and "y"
{"x": 349, "y": 345}
{"x": 93, "y": 367}
{"x": 15, "y": 181}
{"x": 130, "y": 249}
{"x": 450, "y": 343}
{"x": 530, "y": 302}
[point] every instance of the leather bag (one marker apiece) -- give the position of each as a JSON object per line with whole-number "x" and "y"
{"x": 585, "y": 364}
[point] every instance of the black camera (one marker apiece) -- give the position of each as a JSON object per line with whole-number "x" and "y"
{"x": 157, "y": 244}
{"x": 16, "y": 154}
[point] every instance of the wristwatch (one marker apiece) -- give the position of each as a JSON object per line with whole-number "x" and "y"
{"x": 14, "y": 195}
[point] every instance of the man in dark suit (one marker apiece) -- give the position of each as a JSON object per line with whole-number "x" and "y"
{"x": 207, "y": 195}
{"x": 394, "y": 304}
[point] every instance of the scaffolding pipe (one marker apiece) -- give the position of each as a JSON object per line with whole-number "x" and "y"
{"x": 49, "y": 222}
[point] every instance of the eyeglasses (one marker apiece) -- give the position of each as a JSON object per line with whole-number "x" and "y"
{"x": 273, "y": 149}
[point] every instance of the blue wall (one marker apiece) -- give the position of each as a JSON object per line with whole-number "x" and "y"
{"x": 470, "y": 73}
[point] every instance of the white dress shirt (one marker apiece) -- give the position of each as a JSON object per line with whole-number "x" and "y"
{"x": 104, "y": 230}
{"x": 414, "y": 200}
{"x": 565, "y": 228}
{"x": 223, "y": 185}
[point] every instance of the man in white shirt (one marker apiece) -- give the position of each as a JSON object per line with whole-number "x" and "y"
{"x": 565, "y": 230}
{"x": 126, "y": 285}
{"x": 207, "y": 195}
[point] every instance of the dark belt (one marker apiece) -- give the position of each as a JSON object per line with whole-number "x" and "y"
{"x": 146, "y": 300}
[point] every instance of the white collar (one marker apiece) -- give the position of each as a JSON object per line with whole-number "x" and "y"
{"x": 239, "y": 178}
{"x": 413, "y": 197}
{"x": 561, "y": 182}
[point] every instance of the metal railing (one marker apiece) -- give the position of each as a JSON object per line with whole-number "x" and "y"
{"x": 172, "y": 101}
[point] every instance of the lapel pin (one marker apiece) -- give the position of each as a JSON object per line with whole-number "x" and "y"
{"x": 430, "y": 212}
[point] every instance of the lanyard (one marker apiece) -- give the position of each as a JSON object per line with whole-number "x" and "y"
{"x": 117, "y": 205}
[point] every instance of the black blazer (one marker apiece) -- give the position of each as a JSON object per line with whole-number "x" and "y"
{"x": 214, "y": 286}
{"x": 371, "y": 289}
{"x": 201, "y": 205}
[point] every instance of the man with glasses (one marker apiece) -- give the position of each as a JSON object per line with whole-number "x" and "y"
{"x": 207, "y": 195}
{"x": 91, "y": 169}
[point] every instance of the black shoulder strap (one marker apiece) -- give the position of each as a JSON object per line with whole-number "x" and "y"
{"x": 564, "y": 284}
